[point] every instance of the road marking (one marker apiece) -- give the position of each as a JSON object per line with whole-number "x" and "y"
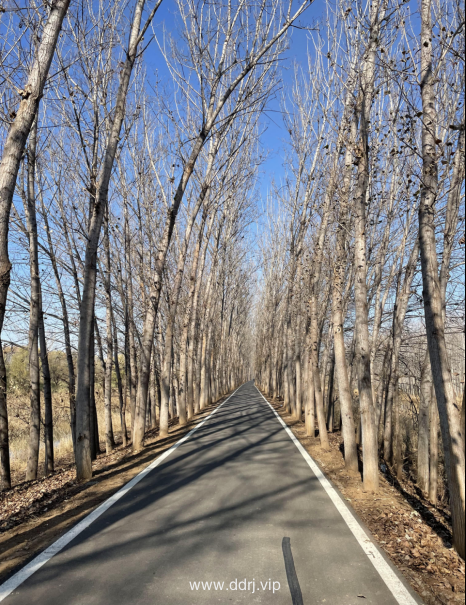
{"x": 23, "y": 574}
{"x": 393, "y": 582}
{"x": 293, "y": 582}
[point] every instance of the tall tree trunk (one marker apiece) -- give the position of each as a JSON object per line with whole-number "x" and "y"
{"x": 382, "y": 393}
{"x": 449, "y": 413}
{"x": 463, "y": 413}
{"x": 338, "y": 283}
{"x": 29, "y": 200}
{"x": 5, "y": 476}
{"x": 13, "y": 149}
{"x": 310, "y": 411}
{"x": 399, "y": 313}
{"x": 66, "y": 328}
{"x": 158, "y": 395}
{"x": 109, "y": 437}
{"x": 433, "y": 454}
{"x": 49, "y": 465}
{"x": 297, "y": 362}
{"x": 363, "y": 347}
{"x": 290, "y": 386}
{"x": 130, "y": 346}
{"x": 398, "y": 438}
{"x": 344, "y": 388}
{"x": 187, "y": 400}
{"x": 168, "y": 349}
{"x": 93, "y": 432}
{"x": 210, "y": 365}
{"x": 133, "y": 373}
{"x": 127, "y": 364}
{"x": 154, "y": 395}
{"x": 304, "y": 371}
{"x": 363, "y": 343}
{"x": 318, "y": 393}
{"x": 203, "y": 391}
{"x": 165, "y": 380}
{"x": 86, "y": 319}
{"x": 314, "y": 315}
{"x": 121, "y": 394}
{"x": 423, "y": 431}
{"x": 198, "y": 374}
{"x": 330, "y": 401}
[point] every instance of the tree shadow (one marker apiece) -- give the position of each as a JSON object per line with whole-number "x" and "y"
{"x": 228, "y": 443}
{"x": 109, "y": 471}
{"x": 426, "y": 514}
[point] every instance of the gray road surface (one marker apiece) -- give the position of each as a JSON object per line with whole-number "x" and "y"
{"x": 217, "y": 510}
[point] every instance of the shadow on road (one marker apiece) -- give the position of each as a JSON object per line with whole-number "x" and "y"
{"x": 244, "y": 429}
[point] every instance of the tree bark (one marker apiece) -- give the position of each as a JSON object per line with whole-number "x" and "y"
{"x": 344, "y": 388}
{"x": 154, "y": 395}
{"x": 132, "y": 357}
{"x": 424, "y": 429}
{"x": 121, "y": 394}
{"x": 109, "y": 437}
{"x": 49, "y": 464}
{"x": 29, "y": 199}
{"x": 338, "y": 283}
{"x": 188, "y": 401}
{"x": 66, "y": 328}
{"x": 449, "y": 413}
{"x": 398, "y": 438}
{"x": 310, "y": 414}
{"x": 363, "y": 344}
{"x": 330, "y": 401}
{"x": 399, "y": 314}
{"x": 168, "y": 350}
{"x": 298, "y": 407}
{"x": 100, "y": 201}
{"x": 12, "y": 153}
{"x": 433, "y": 454}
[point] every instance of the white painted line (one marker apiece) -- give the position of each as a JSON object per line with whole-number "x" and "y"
{"x": 393, "y": 582}
{"x": 23, "y": 574}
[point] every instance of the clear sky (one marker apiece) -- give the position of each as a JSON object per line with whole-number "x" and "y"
{"x": 272, "y": 139}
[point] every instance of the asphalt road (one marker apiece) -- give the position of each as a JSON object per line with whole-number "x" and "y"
{"x": 236, "y": 502}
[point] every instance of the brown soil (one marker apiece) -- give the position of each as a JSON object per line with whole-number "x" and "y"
{"x": 416, "y": 535}
{"x": 36, "y": 513}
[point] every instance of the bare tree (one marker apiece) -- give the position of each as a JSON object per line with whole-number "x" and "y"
{"x": 11, "y": 157}
{"x": 99, "y": 204}
{"x": 236, "y": 69}
{"x": 453, "y": 439}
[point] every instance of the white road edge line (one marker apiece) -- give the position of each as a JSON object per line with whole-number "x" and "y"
{"x": 393, "y": 582}
{"x": 23, "y": 574}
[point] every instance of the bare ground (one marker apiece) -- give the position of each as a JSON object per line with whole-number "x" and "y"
{"x": 36, "y": 513}
{"x": 416, "y": 535}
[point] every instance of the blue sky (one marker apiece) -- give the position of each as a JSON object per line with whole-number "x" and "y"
{"x": 272, "y": 139}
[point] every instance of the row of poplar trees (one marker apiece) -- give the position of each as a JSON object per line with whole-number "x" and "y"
{"x": 363, "y": 263}
{"x": 130, "y": 197}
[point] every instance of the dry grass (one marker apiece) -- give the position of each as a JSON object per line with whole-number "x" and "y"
{"x": 18, "y": 412}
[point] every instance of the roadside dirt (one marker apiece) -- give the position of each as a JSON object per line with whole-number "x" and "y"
{"x": 416, "y": 535}
{"x": 36, "y": 513}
